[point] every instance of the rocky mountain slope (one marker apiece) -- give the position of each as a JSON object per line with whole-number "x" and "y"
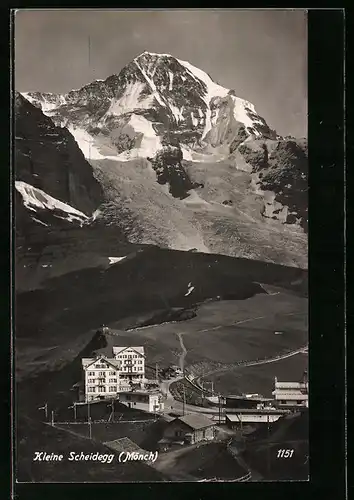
{"x": 181, "y": 161}
{"x": 48, "y": 160}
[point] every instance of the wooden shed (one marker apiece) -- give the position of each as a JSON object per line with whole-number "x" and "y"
{"x": 189, "y": 429}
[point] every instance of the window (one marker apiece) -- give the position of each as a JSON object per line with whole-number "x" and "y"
{"x": 178, "y": 433}
{"x": 112, "y": 373}
{"x": 91, "y": 374}
{"x": 91, "y": 389}
{"x": 102, "y": 374}
{"x": 112, "y": 380}
{"x": 113, "y": 388}
{"x": 91, "y": 380}
{"x": 101, "y": 389}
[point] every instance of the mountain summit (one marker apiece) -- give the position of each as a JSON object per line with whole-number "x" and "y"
{"x": 182, "y": 162}
{"x": 155, "y": 100}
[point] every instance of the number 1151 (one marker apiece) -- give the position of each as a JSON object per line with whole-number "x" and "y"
{"x": 285, "y": 453}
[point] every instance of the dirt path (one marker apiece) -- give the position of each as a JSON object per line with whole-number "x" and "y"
{"x": 184, "y": 351}
{"x": 248, "y": 319}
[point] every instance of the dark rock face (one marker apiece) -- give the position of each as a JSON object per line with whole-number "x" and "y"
{"x": 169, "y": 170}
{"x": 257, "y": 158}
{"x": 282, "y": 169}
{"x": 288, "y": 178}
{"x": 48, "y": 158}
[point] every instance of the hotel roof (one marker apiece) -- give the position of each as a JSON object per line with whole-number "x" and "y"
{"x": 86, "y": 362}
{"x": 119, "y": 350}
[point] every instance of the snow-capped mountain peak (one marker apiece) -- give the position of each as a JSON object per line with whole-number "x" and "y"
{"x": 156, "y": 99}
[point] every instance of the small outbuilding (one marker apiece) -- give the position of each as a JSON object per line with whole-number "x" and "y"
{"x": 188, "y": 429}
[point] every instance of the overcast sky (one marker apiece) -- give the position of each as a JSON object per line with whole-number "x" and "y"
{"x": 260, "y": 54}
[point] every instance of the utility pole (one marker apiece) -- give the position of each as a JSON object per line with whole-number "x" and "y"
{"x": 90, "y": 429}
{"x": 52, "y": 423}
{"x": 74, "y": 407}
{"x": 111, "y": 417}
{"x": 184, "y": 398}
{"x": 45, "y": 408}
{"x": 268, "y": 449}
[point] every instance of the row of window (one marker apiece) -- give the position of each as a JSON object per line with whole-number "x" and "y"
{"x": 101, "y": 374}
{"x": 136, "y": 368}
{"x": 110, "y": 381}
{"x": 112, "y": 388}
{"x": 128, "y": 356}
{"x": 292, "y": 402}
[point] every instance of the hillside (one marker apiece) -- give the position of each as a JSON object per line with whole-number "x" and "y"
{"x": 289, "y": 432}
{"x": 34, "y": 436}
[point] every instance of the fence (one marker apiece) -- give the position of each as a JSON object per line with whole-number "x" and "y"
{"x": 194, "y": 380}
{"x": 100, "y": 422}
{"x": 246, "y": 477}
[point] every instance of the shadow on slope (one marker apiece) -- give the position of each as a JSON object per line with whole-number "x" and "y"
{"x": 288, "y": 433}
{"x": 84, "y": 300}
{"x": 34, "y": 436}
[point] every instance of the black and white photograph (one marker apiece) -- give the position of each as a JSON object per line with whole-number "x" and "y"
{"x": 160, "y": 193}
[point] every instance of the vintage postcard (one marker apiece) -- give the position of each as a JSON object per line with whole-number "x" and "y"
{"x": 160, "y": 191}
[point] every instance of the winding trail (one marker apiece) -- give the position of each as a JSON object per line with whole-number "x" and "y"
{"x": 184, "y": 351}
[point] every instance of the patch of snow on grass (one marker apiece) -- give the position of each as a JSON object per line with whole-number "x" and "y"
{"x": 39, "y": 222}
{"x": 114, "y": 260}
{"x": 190, "y": 289}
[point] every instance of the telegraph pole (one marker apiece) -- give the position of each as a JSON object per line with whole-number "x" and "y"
{"x": 90, "y": 430}
{"x": 45, "y": 408}
{"x": 52, "y": 422}
{"x": 268, "y": 449}
{"x": 184, "y": 398}
{"x": 74, "y": 408}
{"x": 111, "y": 417}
